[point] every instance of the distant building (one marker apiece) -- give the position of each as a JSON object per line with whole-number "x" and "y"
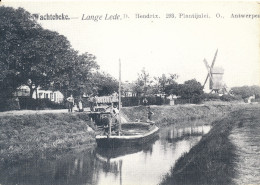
{"x": 172, "y": 99}
{"x": 250, "y": 99}
{"x": 55, "y": 96}
{"x": 128, "y": 90}
{"x": 22, "y": 91}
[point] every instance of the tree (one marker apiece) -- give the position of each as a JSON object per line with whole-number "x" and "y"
{"x": 246, "y": 91}
{"x": 75, "y": 75}
{"x": 105, "y": 84}
{"x": 37, "y": 57}
{"x": 256, "y": 90}
{"x": 143, "y": 83}
{"x": 166, "y": 83}
{"x": 28, "y": 53}
{"x": 191, "y": 90}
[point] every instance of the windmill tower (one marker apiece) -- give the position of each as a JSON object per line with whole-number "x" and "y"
{"x": 215, "y": 76}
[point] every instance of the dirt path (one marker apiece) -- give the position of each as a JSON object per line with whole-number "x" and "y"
{"x": 246, "y": 137}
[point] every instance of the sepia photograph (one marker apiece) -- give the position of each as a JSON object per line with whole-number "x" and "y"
{"x": 129, "y": 92}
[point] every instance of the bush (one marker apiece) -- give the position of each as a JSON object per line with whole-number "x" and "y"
{"x": 196, "y": 99}
{"x": 256, "y": 100}
{"x": 227, "y": 97}
{"x": 135, "y": 101}
{"x": 210, "y": 96}
{"x": 33, "y": 104}
{"x": 9, "y": 104}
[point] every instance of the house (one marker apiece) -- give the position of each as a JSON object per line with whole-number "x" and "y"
{"x": 128, "y": 89}
{"x": 22, "y": 91}
{"x": 55, "y": 96}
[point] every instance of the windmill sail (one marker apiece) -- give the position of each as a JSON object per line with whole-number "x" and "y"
{"x": 209, "y": 75}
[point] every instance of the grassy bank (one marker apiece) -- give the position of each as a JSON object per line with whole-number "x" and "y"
{"x": 212, "y": 160}
{"x": 165, "y": 115}
{"x": 23, "y": 136}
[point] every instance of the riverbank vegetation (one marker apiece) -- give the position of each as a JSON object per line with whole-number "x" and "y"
{"x": 164, "y": 115}
{"x": 23, "y": 136}
{"x": 213, "y": 159}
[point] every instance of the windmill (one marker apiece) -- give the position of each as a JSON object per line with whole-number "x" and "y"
{"x": 215, "y": 76}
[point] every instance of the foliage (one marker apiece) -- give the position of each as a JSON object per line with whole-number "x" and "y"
{"x": 256, "y": 90}
{"x": 9, "y": 104}
{"x": 143, "y": 83}
{"x": 192, "y": 90}
{"x": 211, "y": 96}
{"x": 37, "y": 57}
{"x": 135, "y": 101}
{"x": 166, "y": 83}
{"x": 246, "y": 91}
{"x": 228, "y": 97}
{"x": 75, "y": 74}
{"x": 29, "y": 53}
{"x": 172, "y": 88}
{"x": 104, "y": 84}
{"x": 40, "y": 104}
{"x": 146, "y": 85}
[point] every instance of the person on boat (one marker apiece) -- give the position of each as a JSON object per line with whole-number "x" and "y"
{"x": 149, "y": 114}
{"x": 106, "y": 124}
{"x": 71, "y": 102}
{"x": 115, "y": 114}
{"x": 114, "y": 96}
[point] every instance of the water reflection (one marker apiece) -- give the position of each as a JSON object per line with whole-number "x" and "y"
{"x": 176, "y": 133}
{"x": 141, "y": 165}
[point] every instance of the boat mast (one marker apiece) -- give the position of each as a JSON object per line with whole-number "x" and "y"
{"x": 119, "y": 101}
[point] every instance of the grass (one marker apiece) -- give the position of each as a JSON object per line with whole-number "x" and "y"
{"x": 23, "y": 136}
{"x": 166, "y": 115}
{"x": 212, "y": 160}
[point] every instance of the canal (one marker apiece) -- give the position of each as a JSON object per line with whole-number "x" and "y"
{"x": 141, "y": 165}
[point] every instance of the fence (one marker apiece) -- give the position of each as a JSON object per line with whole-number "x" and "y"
{"x": 135, "y": 101}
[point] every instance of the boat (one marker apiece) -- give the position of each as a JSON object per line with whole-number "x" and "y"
{"x": 113, "y": 154}
{"x": 126, "y": 134}
{"x": 139, "y": 134}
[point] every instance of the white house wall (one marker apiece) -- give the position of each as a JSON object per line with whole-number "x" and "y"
{"x": 55, "y": 96}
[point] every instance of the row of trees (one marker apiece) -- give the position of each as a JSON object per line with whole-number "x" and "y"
{"x": 33, "y": 56}
{"x": 246, "y": 91}
{"x": 167, "y": 85}
{"x": 145, "y": 85}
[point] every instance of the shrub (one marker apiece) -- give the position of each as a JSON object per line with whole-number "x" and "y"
{"x": 135, "y": 101}
{"x": 210, "y": 96}
{"x": 9, "y": 104}
{"x": 32, "y": 104}
{"x": 256, "y": 100}
{"x": 227, "y": 97}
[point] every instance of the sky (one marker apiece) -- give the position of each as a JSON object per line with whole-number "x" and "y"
{"x": 162, "y": 45}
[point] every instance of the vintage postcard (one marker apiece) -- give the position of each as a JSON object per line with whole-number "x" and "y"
{"x": 129, "y": 92}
